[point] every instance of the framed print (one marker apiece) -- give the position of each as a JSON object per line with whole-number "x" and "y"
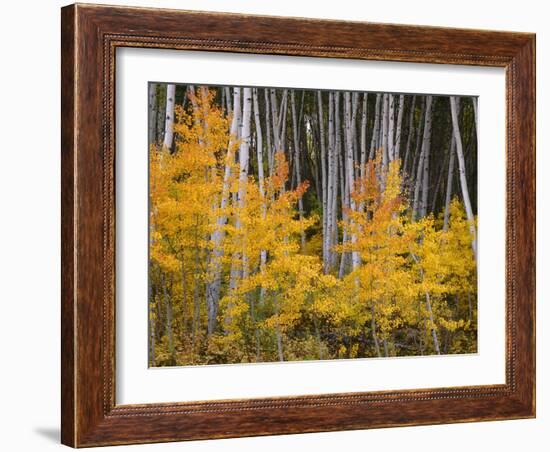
{"x": 281, "y": 225}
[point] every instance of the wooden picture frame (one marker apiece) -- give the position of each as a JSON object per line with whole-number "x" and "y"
{"x": 90, "y": 36}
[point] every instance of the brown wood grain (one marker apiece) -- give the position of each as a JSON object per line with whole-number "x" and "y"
{"x": 90, "y": 36}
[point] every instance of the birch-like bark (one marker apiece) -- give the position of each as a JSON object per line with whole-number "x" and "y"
{"x": 268, "y": 133}
{"x": 260, "y": 157}
{"x": 169, "y": 119}
{"x": 353, "y": 129}
{"x": 152, "y": 133}
{"x": 282, "y": 121}
{"x": 338, "y": 152}
{"x": 363, "y": 144}
{"x": 274, "y": 117}
{"x": 410, "y": 133}
{"x": 397, "y": 144}
{"x": 418, "y": 144}
{"x": 214, "y": 281}
{"x": 297, "y": 162}
{"x": 161, "y": 114}
{"x": 227, "y": 92}
{"x": 450, "y": 175}
{"x": 462, "y": 173}
{"x": 259, "y": 144}
{"x": 419, "y": 166}
{"x": 375, "y": 128}
{"x": 349, "y": 167}
{"x": 323, "y": 172}
{"x": 344, "y": 202}
{"x": 391, "y": 126}
{"x": 426, "y": 145}
{"x": 330, "y": 185}
{"x": 240, "y": 259}
{"x": 364, "y": 120}
{"x": 263, "y": 253}
{"x": 384, "y": 131}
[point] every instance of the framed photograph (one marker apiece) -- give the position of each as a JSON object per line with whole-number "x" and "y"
{"x": 281, "y": 225}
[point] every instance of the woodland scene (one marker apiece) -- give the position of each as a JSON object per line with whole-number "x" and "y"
{"x": 298, "y": 224}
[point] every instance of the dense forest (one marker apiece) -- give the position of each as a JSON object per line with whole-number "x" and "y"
{"x": 291, "y": 224}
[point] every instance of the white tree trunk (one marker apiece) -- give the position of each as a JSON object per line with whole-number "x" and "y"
{"x": 330, "y": 185}
{"x": 323, "y": 171}
{"x": 462, "y": 173}
{"x": 169, "y": 119}
{"x": 274, "y": 116}
{"x": 239, "y": 260}
{"x": 337, "y": 153}
{"x": 152, "y": 113}
{"x": 227, "y": 92}
{"x": 268, "y": 133}
{"x": 426, "y": 145}
{"x": 214, "y": 281}
{"x": 384, "y": 130}
{"x": 259, "y": 143}
{"x": 364, "y": 120}
{"x": 297, "y": 162}
{"x": 350, "y": 164}
{"x": 397, "y": 144}
{"x": 260, "y": 157}
{"x": 375, "y": 128}
{"x": 410, "y": 134}
{"x": 450, "y": 175}
{"x": 391, "y": 126}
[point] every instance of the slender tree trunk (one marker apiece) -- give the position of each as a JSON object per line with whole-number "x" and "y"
{"x": 214, "y": 281}
{"x": 227, "y": 92}
{"x": 244, "y": 154}
{"x": 323, "y": 174}
{"x": 429, "y": 309}
{"x": 362, "y": 166}
{"x": 152, "y": 136}
{"x": 268, "y": 133}
{"x": 433, "y": 327}
{"x": 168, "y": 308}
{"x": 364, "y": 121}
{"x": 397, "y": 144}
{"x": 260, "y": 157}
{"x": 196, "y": 294}
{"x": 449, "y": 191}
{"x": 462, "y": 174}
{"x": 410, "y": 133}
{"x": 278, "y": 332}
{"x": 417, "y": 147}
{"x": 391, "y": 126}
{"x": 161, "y": 113}
{"x": 338, "y": 152}
{"x": 274, "y": 116}
{"x": 375, "y": 128}
{"x": 330, "y": 185}
{"x": 417, "y": 183}
{"x": 384, "y": 131}
{"x": 350, "y": 164}
{"x": 152, "y": 332}
{"x": 297, "y": 163}
{"x": 169, "y": 119}
{"x": 426, "y": 145}
{"x": 282, "y": 122}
